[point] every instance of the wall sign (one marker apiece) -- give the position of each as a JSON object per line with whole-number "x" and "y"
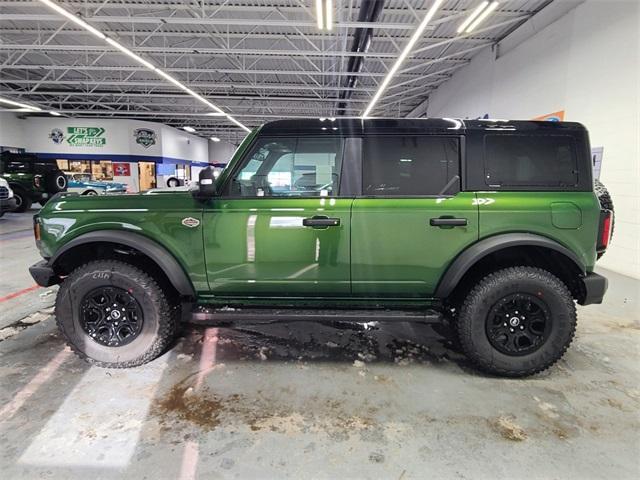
{"x": 56, "y": 136}
{"x": 86, "y": 136}
{"x": 122, "y": 169}
{"x": 552, "y": 117}
{"x": 145, "y": 137}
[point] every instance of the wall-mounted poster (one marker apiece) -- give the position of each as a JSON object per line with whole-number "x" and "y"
{"x": 596, "y": 160}
{"x": 122, "y": 169}
{"x": 551, "y": 117}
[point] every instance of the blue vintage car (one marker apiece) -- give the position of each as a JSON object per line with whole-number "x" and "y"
{"x": 83, "y": 184}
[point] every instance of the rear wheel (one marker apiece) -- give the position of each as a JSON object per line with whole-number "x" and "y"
{"x": 90, "y": 192}
{"x": 517, "y": 322}
{"x": 114, "y": 315}
{"x": 23, "y": 202}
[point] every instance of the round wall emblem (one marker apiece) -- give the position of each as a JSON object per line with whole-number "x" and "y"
{"x": 145, "y": 137}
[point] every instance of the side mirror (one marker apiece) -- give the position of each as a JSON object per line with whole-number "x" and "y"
{"x": 206, "y": 185}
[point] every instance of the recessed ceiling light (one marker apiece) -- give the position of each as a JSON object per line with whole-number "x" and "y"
{"x": 189, "y": 129}
{"x": 214, "y": 139}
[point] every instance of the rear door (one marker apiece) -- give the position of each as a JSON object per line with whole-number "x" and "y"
{"x": 412, "y": 219}
{"x": 281, "y": 227}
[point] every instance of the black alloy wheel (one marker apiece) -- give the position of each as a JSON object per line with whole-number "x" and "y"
{"x": 518, "y": 324}
{"x": 111, "y": 316}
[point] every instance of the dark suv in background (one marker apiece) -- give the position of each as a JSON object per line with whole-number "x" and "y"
{"x": 33, "y": 180}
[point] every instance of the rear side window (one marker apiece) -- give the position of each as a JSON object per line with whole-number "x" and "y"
{"x": 17, "y": 166}
{"x": 530, "y": 160}
{"x": 410, "y": 166}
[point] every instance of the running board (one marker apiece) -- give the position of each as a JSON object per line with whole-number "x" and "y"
{"x": 215, "y": 315}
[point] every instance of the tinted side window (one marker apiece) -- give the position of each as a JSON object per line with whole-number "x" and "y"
{"x": 290, "y": 167}
{"x": 17, "y": 166}
{"x": 529, "y": 160}
{"x": 410, "y": 166}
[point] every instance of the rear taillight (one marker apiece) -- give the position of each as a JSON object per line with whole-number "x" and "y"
{"x": 604, "y": 234}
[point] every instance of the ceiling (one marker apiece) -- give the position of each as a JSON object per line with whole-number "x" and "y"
{"x": 256, "y": 60}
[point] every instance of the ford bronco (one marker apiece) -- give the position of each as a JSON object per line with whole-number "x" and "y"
{"x": 32, "y": 179}
{"x": 493, "y": 226}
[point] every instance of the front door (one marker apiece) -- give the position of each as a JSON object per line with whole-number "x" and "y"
{"x": 280, "y": 228}
{"x": 412, "y": 220}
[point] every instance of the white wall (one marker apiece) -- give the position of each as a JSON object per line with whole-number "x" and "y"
{"x": 11, "y": 130}
{"x": 587, "y": 64}
{"x": 220, "y": 152}
{"x": 182, "y": 145}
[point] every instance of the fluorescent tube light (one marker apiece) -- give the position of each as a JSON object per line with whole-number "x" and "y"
{"x": 242, "y": 126}
{"x": 189, "y": 129}
{"x": 329, "y": 11}
{"x": 21, "y": 105}
{"x": 319, "y": 14}
{"x": 129, "y": 53}
{"x": 216, "y": 114}
{"x": 54, "y": 113}
{"x": 214, "y": 139}
{"x": 473, "y": 15}
{"x": 407, "y": 49}
{"x": 74, "y": 18}
{"x": 484, "y": 15}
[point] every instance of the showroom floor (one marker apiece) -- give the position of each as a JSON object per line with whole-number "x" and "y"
{"x": 310, "y": 400}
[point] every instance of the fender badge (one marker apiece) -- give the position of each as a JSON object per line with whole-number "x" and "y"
{"x": 190, "y": 222}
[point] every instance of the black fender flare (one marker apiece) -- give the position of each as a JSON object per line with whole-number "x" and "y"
{"x": 481, "y": 249}
{"x": 165, "y": 260}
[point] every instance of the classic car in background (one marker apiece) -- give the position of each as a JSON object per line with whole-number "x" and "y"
{"x": 83, "y": 184}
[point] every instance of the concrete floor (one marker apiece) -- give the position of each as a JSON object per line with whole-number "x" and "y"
{"x": 311, "y": 400}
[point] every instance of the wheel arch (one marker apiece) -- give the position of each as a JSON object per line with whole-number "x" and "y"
{"x": 163, "y": 261}
{"x": 507, "y": 250}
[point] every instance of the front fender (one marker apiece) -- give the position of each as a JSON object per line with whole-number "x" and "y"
{"x": 146, "y": 246}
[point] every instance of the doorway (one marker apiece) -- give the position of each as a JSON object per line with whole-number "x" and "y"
{"x": 147, "y": 175}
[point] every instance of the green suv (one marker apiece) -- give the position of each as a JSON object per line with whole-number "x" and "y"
{"x": 33, "y": 180}
{"x": 491, "y": 225}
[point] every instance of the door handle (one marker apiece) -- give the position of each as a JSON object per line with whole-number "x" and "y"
{"x": 448, "y": 222}
{"x": 321, "y": 222}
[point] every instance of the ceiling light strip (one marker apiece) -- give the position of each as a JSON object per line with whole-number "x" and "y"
{"x": 319, "y": 14}
{"x": 405, "y": 53}
{"x": 20, "y": 105}
{"x": 141, "y": 61}
{"x": 472, "y": 17}
{"x": 481, "y": 18}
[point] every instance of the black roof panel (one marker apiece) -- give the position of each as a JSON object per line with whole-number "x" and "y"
{"x": 449, "y": 126}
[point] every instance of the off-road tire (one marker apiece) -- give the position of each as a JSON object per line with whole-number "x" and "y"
{"x": 55, "y": 182}
{"x": 606, "y": 203}
{"x": 159, "y": 315}
{"x": 23, "y": 202}
{"x": 471, "y": 323}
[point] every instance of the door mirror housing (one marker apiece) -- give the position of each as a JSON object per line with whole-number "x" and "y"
{"x": 206, "y": 185}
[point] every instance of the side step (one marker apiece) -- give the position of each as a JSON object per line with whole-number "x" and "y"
{"x": 215, "y": 315}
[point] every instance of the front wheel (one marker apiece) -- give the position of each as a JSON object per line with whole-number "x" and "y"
{"x": 114, "y": 315}
{"x": 517, "y": 321}
{"x": 23, "y": 202}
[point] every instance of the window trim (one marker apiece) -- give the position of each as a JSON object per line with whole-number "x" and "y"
{"x": 532, "y": 187}
{"x": 224, "y": 188}
{"x": 460, "y": 166}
